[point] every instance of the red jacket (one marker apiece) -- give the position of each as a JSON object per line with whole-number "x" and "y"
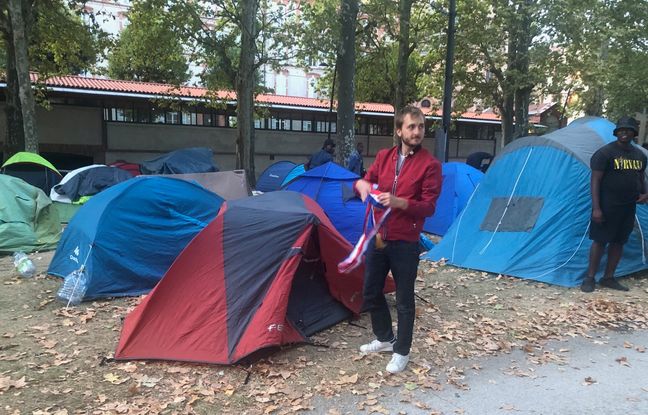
{"x": 419, "y": 181}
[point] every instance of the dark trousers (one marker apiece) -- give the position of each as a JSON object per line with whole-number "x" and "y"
{"x": 402, "y": 259}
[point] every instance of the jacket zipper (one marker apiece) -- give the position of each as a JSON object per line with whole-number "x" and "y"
{"x": 393, "y": 191}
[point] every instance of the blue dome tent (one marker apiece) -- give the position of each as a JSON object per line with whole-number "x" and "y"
{"x": 529, "y": 216}
{"x": 331, "y": 186}
{"x": 459, "y": 182}
{"x": 272, "y": 178}
{"x": 128, "y": 235}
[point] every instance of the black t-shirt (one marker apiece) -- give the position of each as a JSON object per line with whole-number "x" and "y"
{"x": 623, "y": 168}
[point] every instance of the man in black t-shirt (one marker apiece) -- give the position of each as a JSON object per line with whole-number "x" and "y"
{"x": 617, "y": 185}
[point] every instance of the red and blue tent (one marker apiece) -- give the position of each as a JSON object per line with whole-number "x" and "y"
{"x": 262, "y": 273}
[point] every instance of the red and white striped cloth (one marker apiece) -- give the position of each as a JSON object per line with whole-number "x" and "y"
{"x": 355, "y": 258}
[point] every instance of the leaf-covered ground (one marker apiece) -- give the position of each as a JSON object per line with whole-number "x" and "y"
{"x": 57, "y": 361}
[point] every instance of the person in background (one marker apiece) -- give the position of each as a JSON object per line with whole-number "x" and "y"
{"x": 322, "y": 156}
{"x": 355, "y": 162}
{"x": 408, "y": 180}
{"x": 617, "y": 185}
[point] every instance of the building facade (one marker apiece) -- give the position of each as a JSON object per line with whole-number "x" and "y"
{"x": 103, "y": 121}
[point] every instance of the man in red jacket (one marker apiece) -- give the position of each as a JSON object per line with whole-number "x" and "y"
{"x": 409, "y": 182}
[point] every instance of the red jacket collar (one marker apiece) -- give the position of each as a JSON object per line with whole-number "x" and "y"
{"x": 396, "y": 151}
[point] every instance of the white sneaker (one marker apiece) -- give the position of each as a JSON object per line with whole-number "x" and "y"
{"x": 397, "y": 363}
{"x": 377, "y": 346}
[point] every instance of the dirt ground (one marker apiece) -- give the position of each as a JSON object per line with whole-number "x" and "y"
{"x": 57, "y": 361}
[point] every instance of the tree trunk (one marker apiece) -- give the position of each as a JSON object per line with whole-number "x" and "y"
{"x": 346, "y": 70}
{"x": 507, "y": 118}
{"x": 14, "y": 136}
{"x": 405, "y": 13}
{"x": 508, "y": 89}
{"x": 25, "y": 93}
{"x": 595, "y": 107}
{"x": 523, "y": 85}
{"x": 245, "y": 90}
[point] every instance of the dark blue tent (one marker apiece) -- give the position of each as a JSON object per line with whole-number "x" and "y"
{"x": 89, "y": 182}
{"x": 459, "y": 182}
{"x": 183, "y": 161}
{"x": 128, "y": 235}
{"x": 272, "y": 177}
{"x": 331, "y": 186}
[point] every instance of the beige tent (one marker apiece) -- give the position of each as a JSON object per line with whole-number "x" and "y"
{"x": 229, "y": 185}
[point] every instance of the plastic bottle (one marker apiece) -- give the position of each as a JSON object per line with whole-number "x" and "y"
{"x": 24, "y": 265}
{"x": 74, "y": 287}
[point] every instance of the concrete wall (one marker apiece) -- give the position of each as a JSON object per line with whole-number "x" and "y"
{"x": 69, "y": 125}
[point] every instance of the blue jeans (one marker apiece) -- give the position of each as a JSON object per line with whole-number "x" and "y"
{"x": 402, "y": 259}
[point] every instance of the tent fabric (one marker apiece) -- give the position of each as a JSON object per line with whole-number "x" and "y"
{"x": 89, "y": 182}
{"x": 33, "y": 158}
{"x": 331, "y": 186}
{"x": 28, "y": 222}
{"x": 297, "y": 171}
{"x": 273, "y": 176}
{"x": 229, "y": 185}
{"x": 129, "y": 234}
{"x": 132, "y": 168}
{"x": 529, "y": 216}
{"x": 62, "y": 198}
{"x": 187, "y": 160}
{"x": 262, "y": 273}
{"x": 33, "y": 169}
{"x": 459, "y": 182}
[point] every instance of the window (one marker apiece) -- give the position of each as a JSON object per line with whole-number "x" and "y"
{"x": 517, "y": 214}
{"x": 189, "y": 118}
{"x": 173, "y": 117}
{"x": 307, "y": 125}
{"x": 157, "y": 115}
{"x": 380, "y": 127}
{"x": 142, "y": 115}
{"x": 207, "y": 119}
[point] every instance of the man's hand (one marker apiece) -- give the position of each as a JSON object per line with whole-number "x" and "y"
{"x": 364, "y": 188}
{"x": 643, "y": 198}
{"x": 597, "y": 216}
{"x": 389, "y": 200}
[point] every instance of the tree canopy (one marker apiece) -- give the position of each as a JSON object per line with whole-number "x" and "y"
{"x": 151, "y": 48}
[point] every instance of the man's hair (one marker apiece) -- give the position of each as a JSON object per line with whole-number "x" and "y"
{"x": 409, "y": 109}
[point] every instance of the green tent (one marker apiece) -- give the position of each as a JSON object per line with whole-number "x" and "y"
{"x": 26, "y": 157}
{"x": 28, "y": 221}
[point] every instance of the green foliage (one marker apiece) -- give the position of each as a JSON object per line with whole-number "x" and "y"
{"x": 376, "y": 47}
{"x": 60, "y": 41}
{"x": 605, "y": 52}
{"x": 150, "y": 48}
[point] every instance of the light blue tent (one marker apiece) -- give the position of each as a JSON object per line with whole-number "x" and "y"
{"x": 297, "y": 171}
{"x": 128, "y": 235}
{"x": 273, "y": 177}
{"x": 459, "y": 181}
{"x": 331, "y": 186}
{"x": 529, "y": 216}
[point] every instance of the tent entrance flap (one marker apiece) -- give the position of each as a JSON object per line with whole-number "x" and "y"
{"x": 520, "y": 214}
{"x": 311, "y": 308}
